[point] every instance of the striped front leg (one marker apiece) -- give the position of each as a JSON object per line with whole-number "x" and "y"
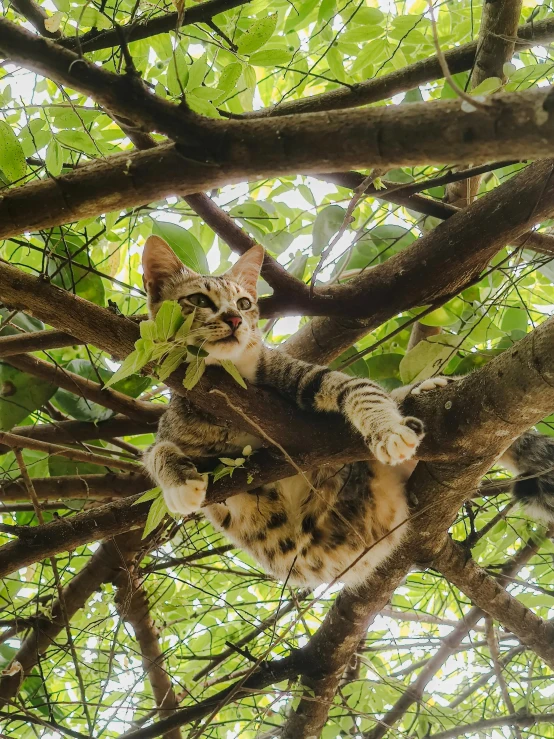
{"x": 391, "y": 437}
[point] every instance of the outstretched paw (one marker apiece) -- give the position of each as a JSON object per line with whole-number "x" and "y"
{"x": 399, "y": 443}
{"x": 187, "y": 497}
{"x": 431, "y": 384}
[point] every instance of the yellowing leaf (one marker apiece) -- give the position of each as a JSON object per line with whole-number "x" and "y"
{"x": 52, "y": 24}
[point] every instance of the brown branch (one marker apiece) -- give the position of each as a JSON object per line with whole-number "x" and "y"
{"x": 517, "y": 124}
{"x": 131, "y": 601}
{"x": 68, "y": 432}
{"x": 239, "y": 241}
{"x": 407, "y": 197}
{"x": 414, "y": 692}
{"x": 102, "y": 566}
{"x": 517, "y": 719}
{"x": 93, "y": 391}
{"x": 487, "y": 593}
{"x": 459, "y": 59}
{"x": 34, "y": 342}
{"x": 77, "y": 487}
{"x": 495, "y": 47}
{"x": 267, "y": 674}
{"x": 23, "y": 442}
{"x": 203, "y": 13}
{"x": 494, "y": 650}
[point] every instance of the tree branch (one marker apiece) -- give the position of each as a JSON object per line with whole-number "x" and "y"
{"x": 23, "y": 442}
{"x": 459, "y": 59}
{"x": 94, "y": 40}
{"x": 131, "y": 601}
{"x": 102, "y": 566}
{"x": 87, "y": 487}
{"x": 93, "y": 391}
{"x": 515, "y": 124}
{"x": 34, "y": 342}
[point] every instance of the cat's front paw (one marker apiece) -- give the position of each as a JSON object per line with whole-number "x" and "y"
{"x": 187, "y": 497}
{"x": 398, "y": 443}
{"x": 431, "y": 384}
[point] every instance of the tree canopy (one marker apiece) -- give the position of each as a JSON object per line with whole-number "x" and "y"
{"x": 390, "y": 155}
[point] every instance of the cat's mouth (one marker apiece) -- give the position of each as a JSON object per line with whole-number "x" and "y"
{"x": 231, "y": 339}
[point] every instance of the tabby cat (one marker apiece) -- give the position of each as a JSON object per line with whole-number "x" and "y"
{"x": 336, "y": 523}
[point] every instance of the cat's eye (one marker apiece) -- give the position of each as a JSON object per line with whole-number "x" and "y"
{"x": 244, "y": 304}
{"x": 200, "y": 301}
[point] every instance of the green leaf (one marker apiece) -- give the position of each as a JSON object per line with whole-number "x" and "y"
{"x": 270, "y": 58}
{"x": 194, "y": 372}
{"x": 197, "y": 351}
{"x": 173, "y": 360}
{"x": 12, "y": 157}
{"x": 514, "y": 319}
{"x": 148, "y": 495}
{"x": 229, "y": 367}
{"x": 229, "y": 77}
{"x": 427, "y": 358}
{"x": 20, "y": 394}
{"x": 69, "y": 266}
{"x": 184, "y": 331}
{"x": 54, "y": 158}
{"x": 257, "y": 35}
{"x": 326, "y": 225}
{"x": 148, "y": 330}
{"x": 183, "y": 243}
{"x": 131, "y": 364}
{"x": 168, "y": 319}
{"x": 78, "y": 140}
{"x": 158, "y": 511}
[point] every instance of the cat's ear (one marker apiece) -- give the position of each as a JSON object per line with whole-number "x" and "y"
{"x": 247, "y": 270}
{"x": 159, "y": 264}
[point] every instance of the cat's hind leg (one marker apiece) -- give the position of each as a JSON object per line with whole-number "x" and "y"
{"x": 184, "y": 489}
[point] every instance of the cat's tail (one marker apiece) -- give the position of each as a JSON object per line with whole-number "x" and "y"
{"x": 531, "y": 458}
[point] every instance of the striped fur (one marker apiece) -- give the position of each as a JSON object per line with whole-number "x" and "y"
{"x": 337, "y": 523}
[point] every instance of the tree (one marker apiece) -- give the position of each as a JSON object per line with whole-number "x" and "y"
{"x": 391, "y": 160}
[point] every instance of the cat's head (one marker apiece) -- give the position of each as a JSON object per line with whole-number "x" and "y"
{"x": 226, "y": 317}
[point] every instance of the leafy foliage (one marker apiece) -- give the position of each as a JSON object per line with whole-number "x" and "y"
{"x": 202, "y": 599}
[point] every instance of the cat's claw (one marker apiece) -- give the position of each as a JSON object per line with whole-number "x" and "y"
{"x": 399, "y": 443}
{"x": 187, "y": 497}
{"x": 431, "y": 384}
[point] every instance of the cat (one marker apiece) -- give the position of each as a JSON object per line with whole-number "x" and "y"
{"x": 337, "y": 523}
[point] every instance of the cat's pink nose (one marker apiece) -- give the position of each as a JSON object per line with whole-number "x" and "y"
{"x": 233, "y": 321}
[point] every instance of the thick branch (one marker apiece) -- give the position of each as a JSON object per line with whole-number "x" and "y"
{"x": 518, "y": 125}
{"x": 495, "y": 47}
{"x": 33, "y": 12}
